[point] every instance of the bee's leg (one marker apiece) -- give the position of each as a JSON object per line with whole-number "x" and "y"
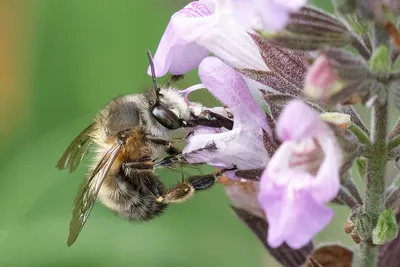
{"x": 209, "y": 119}
{"x": 173, "y": 79}
{"x": 186, "y": 189}
{"x": 180, "y": 158}
{"x": 171, "y": 150}
{"x": 156, "y": 191}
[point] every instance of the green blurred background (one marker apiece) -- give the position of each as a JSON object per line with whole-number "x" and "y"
{"x": 60, "y": 62}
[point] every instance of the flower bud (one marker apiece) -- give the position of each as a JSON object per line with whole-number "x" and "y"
{"x": 337, "y": 76}
{"x": 322, "y": 80}
{"x": 340, "y": 119}
{"x": 386, "y": 230}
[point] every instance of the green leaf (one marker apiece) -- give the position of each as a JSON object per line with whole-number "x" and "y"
{"x": 380, "y": 61}
{"x": 386, "y": 230}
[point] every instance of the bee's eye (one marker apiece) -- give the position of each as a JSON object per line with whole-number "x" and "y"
{"x": 166, "y": 117}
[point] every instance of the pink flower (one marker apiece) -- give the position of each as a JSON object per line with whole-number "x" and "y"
{"x": 202, "y": 27}
{"x": 243, "y": 145}
{"x": 322, "y": 80}
{"x": 301, "y": 177}
{"x": 267, "y": 15}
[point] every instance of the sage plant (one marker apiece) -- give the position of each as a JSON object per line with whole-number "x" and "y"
{"x": 290, "y": 75}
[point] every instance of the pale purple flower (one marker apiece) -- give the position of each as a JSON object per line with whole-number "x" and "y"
{"x": 202, "y": 27}
{"x": 243, "y": 145}
{"x": 266, "y": 15}
{"x": 301, "y": 177}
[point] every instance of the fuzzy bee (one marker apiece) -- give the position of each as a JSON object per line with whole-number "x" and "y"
{"x": 129, "y": 134}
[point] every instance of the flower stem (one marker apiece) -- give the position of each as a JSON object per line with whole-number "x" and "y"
{"x": 375, "y": 180}
{"x": 376, "y": 168}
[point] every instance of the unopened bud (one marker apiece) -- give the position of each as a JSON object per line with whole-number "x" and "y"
{"x": 338, "y": 77}
{"x": 386, "y": 230}
{"x": 340, "y": 119}
{"x": 322, "y": 80}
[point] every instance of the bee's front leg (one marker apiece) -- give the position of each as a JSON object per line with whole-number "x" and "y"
{"x": 209, "y": 119}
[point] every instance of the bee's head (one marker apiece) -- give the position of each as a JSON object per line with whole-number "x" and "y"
{"x": 167, "y": 106}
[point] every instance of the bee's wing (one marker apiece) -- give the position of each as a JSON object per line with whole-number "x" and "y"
{"x": 75, "y": 152}
{"x": 88, "y": 192}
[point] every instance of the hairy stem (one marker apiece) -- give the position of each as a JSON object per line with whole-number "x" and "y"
{"x": 375, "y": 179}
{"x": 376, "y": 167}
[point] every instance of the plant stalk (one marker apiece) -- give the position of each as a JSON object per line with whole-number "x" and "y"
{"x": 376, "y": 168}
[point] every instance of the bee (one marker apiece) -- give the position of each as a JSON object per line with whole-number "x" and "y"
{"x": 129, "y": 133}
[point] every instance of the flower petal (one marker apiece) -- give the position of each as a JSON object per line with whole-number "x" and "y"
{"x": 292, "y": 5}
{"x": 179, "y": 53}
{"x": 243, "y": 145}
{"x": 228, "y": 86}
{"x": 274, "y": 16}
{"x": 326, "y": 184}
{"x": 267, "y": 15}
{"x": 299, "y": 121}
{"x": 293, "y": 217}
{"x": 242, "y": 148}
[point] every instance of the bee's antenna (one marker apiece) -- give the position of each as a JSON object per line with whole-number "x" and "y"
{"x": 153, "y": 73}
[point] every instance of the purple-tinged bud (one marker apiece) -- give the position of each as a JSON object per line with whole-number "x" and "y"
{"x": 332, "y": 255}
{"x": 310, "y": 29}
{"x": 338, "y": 77}
{"x": 322, "y": 80}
